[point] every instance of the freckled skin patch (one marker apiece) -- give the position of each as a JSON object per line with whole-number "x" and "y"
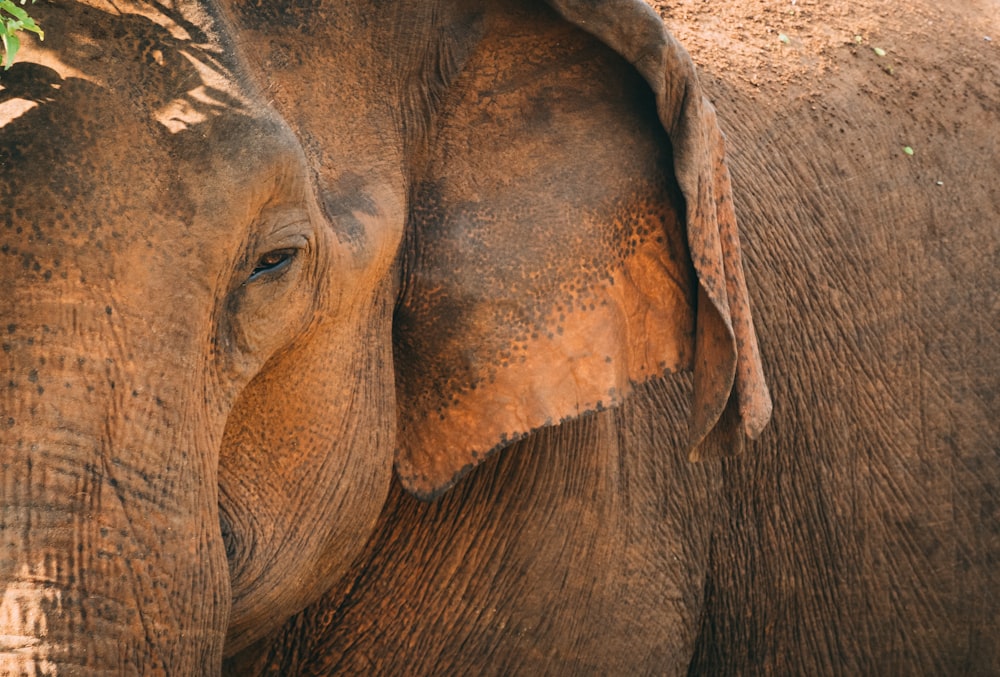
{"x": 548, "y": 269}
{"x": 89, "y": 177}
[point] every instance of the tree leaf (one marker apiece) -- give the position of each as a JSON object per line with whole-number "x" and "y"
{"x": 16, "y": 11}
{"x": 14, "y": 19}
{"x": 10, "y": 46}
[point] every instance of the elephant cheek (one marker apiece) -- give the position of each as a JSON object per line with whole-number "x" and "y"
{"x": 305, "y": 467}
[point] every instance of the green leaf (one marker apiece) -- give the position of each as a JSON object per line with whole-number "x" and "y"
{"x": 878, "y": 51}
{"x": 24, "y": 22}
{"x": 16, "y": 11}
{"x": 27, "y": 23}
{"x": 10, "y": 46}
{"x": 907, "y": 150}
{"x": 13, "y": 19}
{"x": 783, "y": 38}
{"x": 34, "y": 28}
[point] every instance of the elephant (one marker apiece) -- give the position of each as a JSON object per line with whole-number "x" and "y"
{"x": 416, "y": 337}
{"x": 861, "y": 533}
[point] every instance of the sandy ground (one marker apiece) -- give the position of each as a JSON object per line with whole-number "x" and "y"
{"x": 932, "y": 70}
{"x": 794, "y": 46}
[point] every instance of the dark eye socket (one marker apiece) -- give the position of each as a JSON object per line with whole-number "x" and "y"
{"x": 272, "y": 262}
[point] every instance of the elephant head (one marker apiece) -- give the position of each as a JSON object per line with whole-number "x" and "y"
{"x": 256, "y": 254}
{"x": 169, "y": 283}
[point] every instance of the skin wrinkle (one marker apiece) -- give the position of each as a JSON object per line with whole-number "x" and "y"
{"x": 882, "y": 562}
{"x": 291, "y": 540}
{"x": 376, "y": 247}
{"x": 477, "y": 562}
{"x": 40, "y": 461}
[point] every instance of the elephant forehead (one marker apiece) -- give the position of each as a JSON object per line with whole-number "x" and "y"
{"x": 128, "y": 138}
{"x": 80, "y": 181}
{"x": 141, "y": 73}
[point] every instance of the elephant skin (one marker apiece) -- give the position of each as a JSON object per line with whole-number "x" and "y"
{"x": 416, "y": 338}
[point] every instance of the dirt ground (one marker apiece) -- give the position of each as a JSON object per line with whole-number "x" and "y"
{"x": 787, "y": 45}
{"x": 802, "y": 50}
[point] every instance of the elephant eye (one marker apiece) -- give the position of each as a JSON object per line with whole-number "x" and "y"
{"x": 272, "y": 262}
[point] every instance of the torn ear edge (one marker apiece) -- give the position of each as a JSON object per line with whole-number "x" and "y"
{"x": 731, "y": 398}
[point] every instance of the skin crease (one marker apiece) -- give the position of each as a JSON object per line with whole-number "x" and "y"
{"x": 859, "y": 536}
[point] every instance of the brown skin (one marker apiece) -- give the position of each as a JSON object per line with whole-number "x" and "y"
{"x": 203, "y": 361}
{"x": 546, "y": 269}
{"x": 549, "y": 134}
{"x": 872, "y": 525}
{"x": 861, "y": 535}
{"x": 572, "y": 552}
{"x": 164, "y": 259}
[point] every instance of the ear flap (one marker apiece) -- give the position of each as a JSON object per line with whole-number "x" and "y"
{"x": 728, "y": 367}
{"x": 548, "y": 267}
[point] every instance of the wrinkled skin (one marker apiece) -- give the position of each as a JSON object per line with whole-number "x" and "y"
{"x": 337, "y": 250}
{"x": 861, "y": 534}
{"x": 230, "y": 308}
{"x": 165, "y": 260}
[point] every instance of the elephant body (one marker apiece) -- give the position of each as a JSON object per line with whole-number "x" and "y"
{"x": 255, "y": 255}
{"x": 883, "y": 561}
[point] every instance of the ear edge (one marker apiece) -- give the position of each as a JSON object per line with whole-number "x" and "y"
{"x": 722, "y": 406}
{"x": 429, "y": 483}
{"x": 637, "y": 33}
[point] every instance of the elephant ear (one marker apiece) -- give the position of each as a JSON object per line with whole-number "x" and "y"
{"x": 571, "y": 234}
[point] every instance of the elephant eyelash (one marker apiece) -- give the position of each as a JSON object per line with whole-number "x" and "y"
{"x": 272, "y": 262}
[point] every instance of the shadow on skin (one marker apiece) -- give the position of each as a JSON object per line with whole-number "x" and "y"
{"x": 171, "y": 70}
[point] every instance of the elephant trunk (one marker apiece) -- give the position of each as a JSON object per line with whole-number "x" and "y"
{"x": 111, "y": 560}
{"x": 68, "y": 595}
